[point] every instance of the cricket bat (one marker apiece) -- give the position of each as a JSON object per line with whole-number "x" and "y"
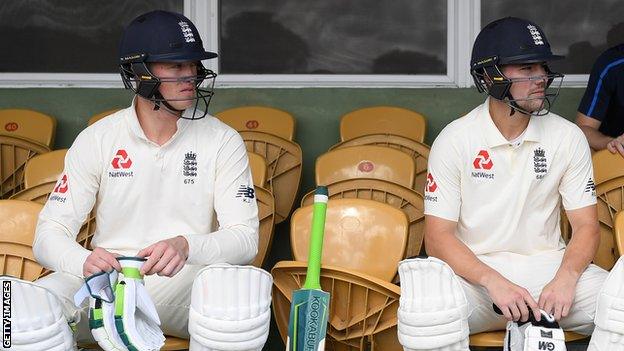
{"x": 309, "y": 309}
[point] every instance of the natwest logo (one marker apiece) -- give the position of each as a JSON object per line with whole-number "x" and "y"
{"x": 121, "y": 160}
{"x": 62, "y": 186}
{"x": 431, "y": 185}
{"x": 483, "y": 161}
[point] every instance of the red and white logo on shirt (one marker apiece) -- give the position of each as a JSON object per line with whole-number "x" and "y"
{"x": 62, "y": 186}
{"x": 121, "y": 160}
{"x": 483, "y": 161}
{"x": 431, "y": 185}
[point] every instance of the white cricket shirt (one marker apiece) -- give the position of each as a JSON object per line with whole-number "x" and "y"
{"x": 506, "y": 198}
{"x": 145, "y": 193}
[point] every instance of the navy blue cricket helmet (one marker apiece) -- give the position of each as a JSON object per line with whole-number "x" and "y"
{"x": 162, "y": 36}
{"x": 511, "y": 40}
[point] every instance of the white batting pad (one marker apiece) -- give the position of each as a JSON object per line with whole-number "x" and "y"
{"x": 37, "y": 320}
{"x": 609, "y": 332}
{"x": 433, "y": 310}
{"x": 230, "y": 308}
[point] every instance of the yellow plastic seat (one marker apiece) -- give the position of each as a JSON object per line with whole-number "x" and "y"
{"x": 258, "y": 166}
{"x": 417, "y": 150}
{"x": 99, "y": 116}
{"x": 609, "y": 182}
{"x": 496, "y": 338}
{"x": 38, "y": 193}
{"x": 365, "y": 161}
{"x": 260, "y": 119}
{"x": 619, "y": 231}
{"x": 171, "y": 343}
{"x": 283, "y": 158}
{"x": 363, "y": 235}
{"x": 266, "y": 216}
{"x": 405, "y": 199}
{"x": 384, "y": 120}
{"x": 28, "y": 124}
{"x": 18, "y": 220}
{"x": 362, "y": 309}
{"x": 14, "y": 153}
{"x": 44, "y": 168}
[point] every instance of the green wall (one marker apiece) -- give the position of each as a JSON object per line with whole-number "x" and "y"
{"x": 317, "y": 111}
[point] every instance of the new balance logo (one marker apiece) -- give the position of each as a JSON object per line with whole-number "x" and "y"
{"x": 246, "y": 192}
{"x": 590, "y": 187}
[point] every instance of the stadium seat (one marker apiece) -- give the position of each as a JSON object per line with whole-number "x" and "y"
{"x": 14, "y": 153}
{"x": 266, "y": 217}
{"x": 258, "y": 166}
{"x": 363, "y": 244}
{"x": 28, "y": 124}
{"x": 365, "y": 161}
{"x": 609, "y": 184}
{"x": 260, "y": 119}
{"x": 405, "y": 199}
{"x": 619, "y": 231}
{"x": 18, "y": 220}
{"x": 283, "y": 158}
{"x": 44, "y": 168}
{"x": 99, "y": 116}
{"x": 418, "y": 151}
{"x": 384, "y": 120}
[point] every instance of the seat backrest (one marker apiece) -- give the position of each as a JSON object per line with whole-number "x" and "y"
{"x": 44, "y": 168}
{"x": 283, "y": 158}
{"x": 384, "y": 120}
{"x": 18, "y": 220}
{"x": 260, "y": 119}
{"x": 266, "y": 217}
{"x": 14, "y": 153}
{"x": 365, "y": 161}
{"x": 363, "y": 235}
{"x": 28, "y": 124}
{"x": 258, "y": 166}
{"x": 619, "y": 231}
{"x": 38, "y": 193}
{"x": 405, "y": 199}
{"x": 99, "y": 116}
{"x": 362, "y": 309}
{"x": 418, "y": 151}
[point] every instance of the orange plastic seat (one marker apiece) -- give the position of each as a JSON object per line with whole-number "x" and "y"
{"x": 266, "y": 217}
{"x": 260, "y": 119}
{"x": 38, "y": 193}
{"x": 362, "y": 309}
{"x": 619, "y": 231}
{"x": 364, "y": 235}
{"x": 417, "y": 150}
{"x": 14, "y": 153}
{"x": 365, "y": 161}
{"x": 28, "y": 124}
{"x": 258, "y": 166}
{"x": 18, "y": 220}
{"x": 405, "y": 199}
{"x": 384, "y": 120}
{"x": 283, "y": 158}
{"x": 44, "y": 168}
{"x": 171, "y": 343}
{"x": 496, "y": 338}
{"x": 99, "y": 116}
{"x": 609, "y": 183}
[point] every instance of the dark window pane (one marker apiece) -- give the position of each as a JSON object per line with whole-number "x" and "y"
{"x": 579, "y": 29}
{"x": 70, "y": 36}
{"x": 329, "y": 36}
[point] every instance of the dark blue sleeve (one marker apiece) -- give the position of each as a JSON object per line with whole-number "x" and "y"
{"x": 600, "y": 87}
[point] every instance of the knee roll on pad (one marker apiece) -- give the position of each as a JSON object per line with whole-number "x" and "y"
{"x": 37, "y": 320}
{"x": 609, "y": 320}
{"x": 230, "y": 308}
{"x": 433, "y": 309}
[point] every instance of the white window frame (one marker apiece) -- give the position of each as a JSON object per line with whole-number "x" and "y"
{"x": 463, "y": 19}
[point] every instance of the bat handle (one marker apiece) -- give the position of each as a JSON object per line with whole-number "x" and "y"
{"x": 313, "y": 280}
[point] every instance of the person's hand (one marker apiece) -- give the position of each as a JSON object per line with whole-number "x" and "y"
{"x": 617, "y": 145}
{"x": 100, "y": 260}
{"x": 557, "y": 296}
{"x": 166, "y": 257}
{"x": 513, "y": 300}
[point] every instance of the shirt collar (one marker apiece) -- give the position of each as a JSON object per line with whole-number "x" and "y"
{"x": 495, "y": 138}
